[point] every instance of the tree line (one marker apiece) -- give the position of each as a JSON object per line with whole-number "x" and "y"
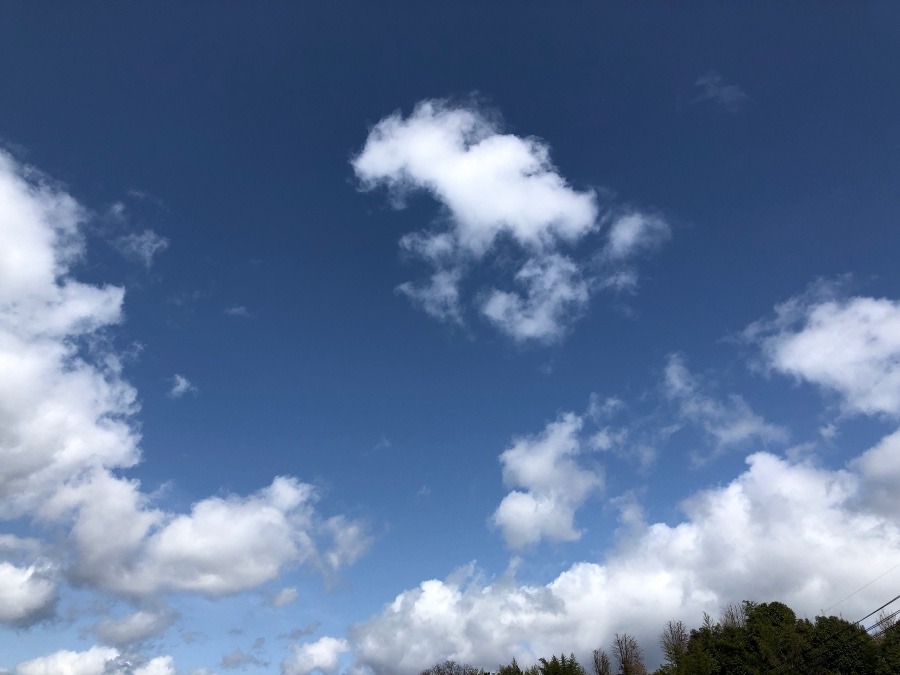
{"x": 748, "y": 639}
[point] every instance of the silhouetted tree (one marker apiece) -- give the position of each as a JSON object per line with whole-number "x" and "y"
{"x": 627, "y": 652}
{"x": 601, "y": 663}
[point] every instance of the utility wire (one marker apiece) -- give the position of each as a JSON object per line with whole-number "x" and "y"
{"x": 861, "y": 588}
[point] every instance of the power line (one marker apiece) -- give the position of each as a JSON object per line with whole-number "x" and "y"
{"x": 861, "y": 588}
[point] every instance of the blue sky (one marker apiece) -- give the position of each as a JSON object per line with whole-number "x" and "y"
{"x": 351, "y": 338}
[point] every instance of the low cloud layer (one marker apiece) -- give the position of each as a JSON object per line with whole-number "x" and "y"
{"x": 503, "y": 199}
{"x": 803, "y": 521}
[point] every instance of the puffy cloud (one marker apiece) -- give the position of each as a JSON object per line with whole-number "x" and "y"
{"x": 780, "y": 530}
{"x": 181, "y": 386}
{"x": 555, "y": 485}
{"x": 730, "y": 423}
{"x": 323, "y": 656}
{"x": 94, "y": 661}
{"x": 729, "y": 96}
{"x": 135, "y": 628}
{"x": 555, "y": 292}
{"x": 849, "y": 346}
{"x": 67, "y": 427}
{"x": 491, "y": 183}
{"x": 142, "y": 246}
{"x": 27, "y": 594}
{"x": 504, "y": 200}
{"x": 634, "y": 232}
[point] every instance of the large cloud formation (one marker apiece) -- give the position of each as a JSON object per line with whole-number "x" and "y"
{"x": 501, "y": 192}
{"x": 67, "y": 430}
{"x": 785, "y": 528}
{"x": 781, "y": 530}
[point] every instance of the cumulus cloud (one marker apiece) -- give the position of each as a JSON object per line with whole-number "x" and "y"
{"x": 322, "y": 656}
{"x": 67, "y": 428}
{"x": 847, "y": 346}
{"x": 142, "y": 246}
{"x": 635, "y": 232}
{"x": 802, "y": 521}
{"x": 553, "y": 485}
{"x": 94, "y": 661}
{"x": 181, "y": 386}
{"x": 555, "y": 291}
{"x": 730, "y": 423}
{"x": 503, "y": 199}
{"x": 713, "y": 88}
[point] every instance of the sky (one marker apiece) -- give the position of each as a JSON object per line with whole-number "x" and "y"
{"x": 352, "y": 337}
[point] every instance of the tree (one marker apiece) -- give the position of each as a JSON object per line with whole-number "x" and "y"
{"x": 601, "y": 663}
{"x": 452, "y": 668}
{"x": 627, "y": 652}
{"x": 564, "y": 665}
{"x": 674, "y": 642}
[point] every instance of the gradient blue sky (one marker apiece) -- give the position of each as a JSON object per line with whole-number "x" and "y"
{"x": 252, "y": 176}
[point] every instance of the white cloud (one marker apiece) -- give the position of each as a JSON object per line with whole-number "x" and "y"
{"x": 135, "y": 628}
{"x": 729, "y": 423}
{"x": 635, "y": 232}
{"x": 142, "y": 246}
{"x": 780, "y": 530}
{"x": 729, "y": 96}
{"x": 27, "y": 594}
{"x": 94, "y": 661}
{"x": 880, "y": 467}
{"x": 239, "y": 311}
{"x": 67, "y": 427}
{"x": 555, "y": 485}
{"x": 323, "y": 656}
{"x": 848, "y": 346}
{"x": 491, "y": 183}
{"x": 505, "y": 201}
{"x": 555, "y": 292}
{"x": 181, "y": 386}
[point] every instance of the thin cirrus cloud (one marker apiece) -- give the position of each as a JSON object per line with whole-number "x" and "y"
{"x": 713, "y": 88}
{"x": 729, "y": 423}
{"x": 499, "y": 189}
{"x": 54, "y": 395}
{"x": 181, "y": 386}
{"x": 142, "y": 247}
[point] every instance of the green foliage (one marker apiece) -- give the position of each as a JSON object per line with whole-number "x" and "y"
{"x": 561, "y": 666}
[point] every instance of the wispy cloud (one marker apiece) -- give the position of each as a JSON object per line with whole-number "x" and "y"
{"x": 142, "y": 247}
{"x": 181, "y": 386}
{"x": 713, "y": 88}
{"x": 237, "y": 311}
